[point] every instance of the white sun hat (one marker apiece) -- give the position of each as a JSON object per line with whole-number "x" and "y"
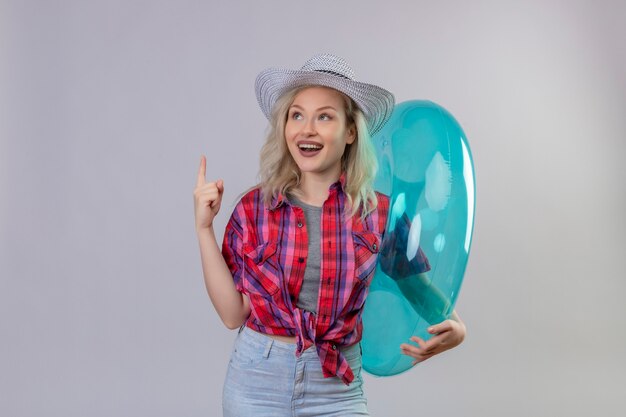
{"x": 326, "y": 70}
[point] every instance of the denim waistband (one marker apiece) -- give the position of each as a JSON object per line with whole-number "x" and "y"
{"x": 263, "y": 341}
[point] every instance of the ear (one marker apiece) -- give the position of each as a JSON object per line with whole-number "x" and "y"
{"x": 351, "y": 134}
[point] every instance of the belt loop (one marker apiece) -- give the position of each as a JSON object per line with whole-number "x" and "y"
{"x": 268, "y": 347}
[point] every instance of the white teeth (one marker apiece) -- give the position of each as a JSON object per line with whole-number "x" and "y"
{"x": 309, "y": 146}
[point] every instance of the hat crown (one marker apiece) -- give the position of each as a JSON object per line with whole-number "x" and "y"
{"x": 330, "y": 71}
{"x": 331, "y": 64}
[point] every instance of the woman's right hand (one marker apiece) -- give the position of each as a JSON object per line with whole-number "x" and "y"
{"x": 207, "y": 198}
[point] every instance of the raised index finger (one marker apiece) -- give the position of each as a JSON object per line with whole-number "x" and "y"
{"x": 202, "y": 171}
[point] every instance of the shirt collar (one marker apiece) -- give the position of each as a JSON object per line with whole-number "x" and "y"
{"x": 279, "y": 199}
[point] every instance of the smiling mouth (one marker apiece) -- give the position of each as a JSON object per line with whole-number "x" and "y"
{"x": 309, "y": 147}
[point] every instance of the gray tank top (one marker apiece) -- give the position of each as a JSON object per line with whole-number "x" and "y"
{"x": 307, "y": 300}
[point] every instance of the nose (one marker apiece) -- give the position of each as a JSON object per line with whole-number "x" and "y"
{"x": 308, "y": 129}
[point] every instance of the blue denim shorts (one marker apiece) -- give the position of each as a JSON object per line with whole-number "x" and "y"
{"x": 265, "y": 378}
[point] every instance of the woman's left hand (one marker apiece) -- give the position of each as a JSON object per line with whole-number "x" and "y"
{"x": 447, "y": 334}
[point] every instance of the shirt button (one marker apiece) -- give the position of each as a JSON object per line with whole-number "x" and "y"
{"x": 333, "y": 346}
{"x": 300, "y": 260}
{"x": 374, "y": 246}
{"x": 299, "y": 224}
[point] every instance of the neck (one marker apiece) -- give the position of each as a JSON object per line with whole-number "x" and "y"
{"x": 315, "y": 188}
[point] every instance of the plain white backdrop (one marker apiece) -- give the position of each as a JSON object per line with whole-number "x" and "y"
{"x": 107, "y": 106}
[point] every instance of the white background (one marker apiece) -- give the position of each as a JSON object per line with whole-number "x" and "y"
{"x": 106, "y": 107}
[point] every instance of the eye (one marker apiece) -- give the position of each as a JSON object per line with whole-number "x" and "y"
{"x": 296, "y": 115}
{"x": 325, "y": 116}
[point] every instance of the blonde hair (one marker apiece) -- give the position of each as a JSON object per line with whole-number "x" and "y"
{"x": 279, "y": 173}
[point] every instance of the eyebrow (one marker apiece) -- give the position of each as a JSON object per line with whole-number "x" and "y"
{"x": 321, "y": 108}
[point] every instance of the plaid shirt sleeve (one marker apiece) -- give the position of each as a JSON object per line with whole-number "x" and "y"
{"x": 232, "y": 246}
{"x": 393, "y": 259}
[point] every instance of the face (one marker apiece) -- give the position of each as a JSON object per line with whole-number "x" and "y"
{"x": 316, "y": 132}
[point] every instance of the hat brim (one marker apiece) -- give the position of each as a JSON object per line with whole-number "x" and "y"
{"x": 375, "y": 102}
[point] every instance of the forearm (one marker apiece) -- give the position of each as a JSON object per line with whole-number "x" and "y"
{"x": 426, "y": 299}
{"x": 231, "y": 305}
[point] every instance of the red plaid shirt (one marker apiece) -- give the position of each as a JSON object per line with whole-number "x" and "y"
{"x": 266, "y": 251}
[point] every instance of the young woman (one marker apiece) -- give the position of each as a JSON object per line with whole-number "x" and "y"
{"x": 300, "y": 248}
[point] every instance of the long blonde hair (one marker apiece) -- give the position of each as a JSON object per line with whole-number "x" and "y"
{"x": 279, "y": 173}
